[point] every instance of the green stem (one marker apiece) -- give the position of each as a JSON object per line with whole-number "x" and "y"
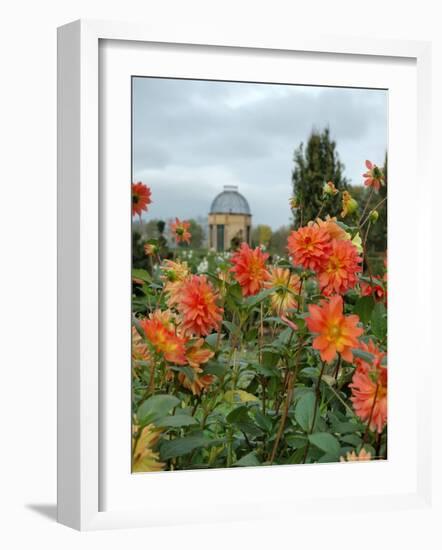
{"x": 315, "y": 410}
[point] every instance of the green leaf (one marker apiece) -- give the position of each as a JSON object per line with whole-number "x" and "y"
{"x": 363, "y": 307}
{"x": 304, "y": 410}
{"x": 296, "y": 441}
{"x": 187, "y": 371}
{"x": 346, "y": 427}
{"x": 364, "y": 355}
{"x": 212, "y": 339}
{"x": 239, "y": 396}
{"x": 141, "y": 274}
{"x": 248, "y": 460}
{"x": 379, "y": 321}
{"x": 352, "y": 439}
{"x": 326, "y": 442}
{"x": 213, "y": 367}
{"x": 263, "y": 421}
{"x": 232, "y": 328}
{"x": 240, "y": 418}
{"x": 156, "y": 407}
{"x": 254, "y": 300}
{"x": 270, "y": 359}
{"x": 182, "y": 446}
{"x": 177, "y": 421}
{"x": 238, "y": 414}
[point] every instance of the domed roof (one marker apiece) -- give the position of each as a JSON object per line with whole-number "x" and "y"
{"x": 230, "y": 201}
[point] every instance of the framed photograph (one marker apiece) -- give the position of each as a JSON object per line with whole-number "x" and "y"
{"x": 225, "y": 212}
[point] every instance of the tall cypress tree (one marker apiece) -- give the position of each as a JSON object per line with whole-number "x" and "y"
{"x": 315, "y": 164}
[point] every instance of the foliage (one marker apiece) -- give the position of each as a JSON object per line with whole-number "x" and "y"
{"x": 316, "y": 164}
{"x": 228, "y": 372}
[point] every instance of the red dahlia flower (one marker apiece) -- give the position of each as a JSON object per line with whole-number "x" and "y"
{"x": 369, "y": 389}
{"x": 250, "y": 269}
{"x": 197, "y": 304}
{"x": 309, "y": 246}
{"x": 180, "y": 231}
{"x": 340, "y": 270}
{"x": 141, "y": 198}
{"x": 160, "y": 332}
{"x": 374, "y": 177}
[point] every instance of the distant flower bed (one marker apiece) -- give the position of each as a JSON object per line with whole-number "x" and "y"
{"x": 239, "y": 359}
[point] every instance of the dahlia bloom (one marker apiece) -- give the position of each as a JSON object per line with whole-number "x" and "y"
{"x": 160, "y": 332}
{"x": 180, "y": 231}
{"x": 349, "y": 205}
{"x": 196, "y": 355}
{"x": 329, "y": 189}
{"x": 309, "y": 246}
{"x": 140, "y": 350}
{"x": 197, "y": 305}
{"x": 141, "y": 198}
{"x": 376, "y": 290}
{"x": 144, "y": 459}
{"x": 340, "y": 270}
{"x": 173, "y": 275}
{"x": 370, "y": 347}
{"x": 294, "y": 203}
{"x": 249, "y": 269}
{"x": 150, "y": 249}
{"x": 286, "y": 284}
{"x": 374, "y": 177}
{"x": 369, "y": 394}
{"x": 332, "y": 228}
{"x": 353, "y": 457}
{"x": 336, "y": 333}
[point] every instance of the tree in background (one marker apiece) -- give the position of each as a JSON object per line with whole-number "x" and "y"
{"x": 316, "y": 164}
{"x": 278, "y": 241}
{"x": 139, "y": 258}
{"x": 261, "y": 235}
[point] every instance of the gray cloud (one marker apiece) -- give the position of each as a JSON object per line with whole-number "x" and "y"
{"x": 193, "y": 137}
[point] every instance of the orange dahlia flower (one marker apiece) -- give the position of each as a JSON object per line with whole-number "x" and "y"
{"x": 378, "y": 355}
{"x": 336, "y": 333}
{"x": 374, "y": 177}
{"x": 180, "y": 231}
{"x": 340, "y": 270}
{"x": 309, "y": 246}
{"x": 141, "y": 198}
{"x": 286, "y": 284}
{"x": 376, "y": 290}
{"x": 249, "y": 269}
{"x": 140, "y": 350}
{"x": 197, "y": 304}
{"x": 353, "y": 457}
{"x": 329, "y": 189}
{"x": 173, "y": 275}
{"x": 369, "y": 394}
{"x": 144, "y": 458}
{"x": 197, "y": 354}
{"x": 150, "y": 249}
{"x": 160, "y": 332}
{"x": 332, "y": 228}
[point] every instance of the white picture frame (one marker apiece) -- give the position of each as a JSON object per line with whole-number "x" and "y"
{"x": 80, "y": 257}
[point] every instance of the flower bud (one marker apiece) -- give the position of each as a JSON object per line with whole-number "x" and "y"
{"x": 294, "y": 203}
{"x": 349, "y": 205}
{"x": 329, "y": 189}
{"x": 373, "y": 216}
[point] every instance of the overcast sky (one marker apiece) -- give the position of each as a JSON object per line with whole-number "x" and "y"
{"x": 193, "y": 137}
